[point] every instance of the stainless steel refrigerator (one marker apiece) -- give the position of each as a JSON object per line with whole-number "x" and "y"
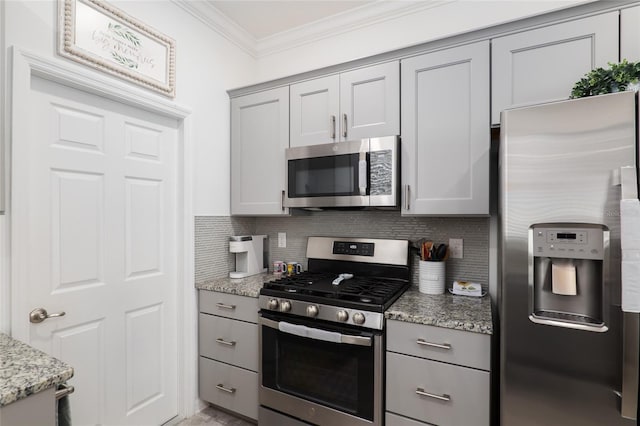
{"x": 568, "y": 353}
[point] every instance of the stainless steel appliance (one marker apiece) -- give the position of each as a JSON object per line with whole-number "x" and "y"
{"x": 322, "y": 333}
{"x": 362, "y": 173}
{"x": 563, "y": 334}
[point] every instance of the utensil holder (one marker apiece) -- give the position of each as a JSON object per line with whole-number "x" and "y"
{"x": 431, "y": 277}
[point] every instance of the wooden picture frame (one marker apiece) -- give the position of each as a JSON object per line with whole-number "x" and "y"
{"x": 94, "y": 33}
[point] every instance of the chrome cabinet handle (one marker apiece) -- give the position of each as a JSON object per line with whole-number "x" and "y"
{"x": 423, "y": 342}
{"x": 228, "y": 390}
{"x": 443, "y": 397}
{"x": 407, "y": 192}
{"x": 225, "y": 306}
{"x": 224, "y": 342}
{"x": 64, "y": 391}
{"x": 282, "y": 200}
{"x": 344, "y": 121}
{"x": 332, "y": 125}
{"x": 40, "y": 314}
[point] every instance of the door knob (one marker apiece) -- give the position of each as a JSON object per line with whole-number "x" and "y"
{"x": 40, "y": 314}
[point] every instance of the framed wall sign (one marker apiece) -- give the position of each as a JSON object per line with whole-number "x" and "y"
{"x": 97, "y": 34}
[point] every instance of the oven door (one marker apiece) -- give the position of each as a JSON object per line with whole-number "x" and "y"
{"x": 328, "y": 175}
{"x": 328, "y": 375}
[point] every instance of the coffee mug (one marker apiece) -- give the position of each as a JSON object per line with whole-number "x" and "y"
{"x": 294, "y": 268}
{"x": 279, "y": 267}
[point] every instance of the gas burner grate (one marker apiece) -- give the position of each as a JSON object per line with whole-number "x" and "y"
{"x": 368, "y": 290}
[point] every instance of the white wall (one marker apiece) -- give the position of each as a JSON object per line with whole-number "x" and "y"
{"x": 207, "y": 65}
{"x": 426, "y": 25}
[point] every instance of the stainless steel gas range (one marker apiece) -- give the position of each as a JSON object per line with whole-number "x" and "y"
{"x": 322, "y": 333}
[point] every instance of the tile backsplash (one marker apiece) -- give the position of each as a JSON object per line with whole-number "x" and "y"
{"x": 213, "y": 260}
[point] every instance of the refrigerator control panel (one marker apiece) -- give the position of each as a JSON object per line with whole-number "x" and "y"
{"x": 568, "y": 241}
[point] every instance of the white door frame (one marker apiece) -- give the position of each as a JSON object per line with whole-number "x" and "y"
{"x": 26, "y": 64}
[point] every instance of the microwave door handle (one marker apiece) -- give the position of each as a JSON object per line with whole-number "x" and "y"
{"x": 363, "y": 178}
{"x": 316, "y": 334}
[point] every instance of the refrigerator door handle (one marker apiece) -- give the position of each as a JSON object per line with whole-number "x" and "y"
{"x": 631, "y": 321}
{"x": 630, "y": 357}
{"x": 628, "y": 183}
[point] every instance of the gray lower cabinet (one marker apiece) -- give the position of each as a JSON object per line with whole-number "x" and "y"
{"x": 437, "y": 376}
{"x": 228, "y": 349}
{"x": 37, "y": 410}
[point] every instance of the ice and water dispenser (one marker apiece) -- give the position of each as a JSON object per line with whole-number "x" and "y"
{"x": 567, "y": 275}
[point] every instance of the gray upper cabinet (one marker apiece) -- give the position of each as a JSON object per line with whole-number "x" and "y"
{"x": 356, "y": 104}
{"x": 259, "y": 137}
{"x": 543, "y": 64}
{"x": 445, "y": 132}
{"x": 315, "y": 111}
{"x": 630, "y": 34}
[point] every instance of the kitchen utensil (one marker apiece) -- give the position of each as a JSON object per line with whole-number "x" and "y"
{"x": 425, "y": 254}
{"x": 441, "y": 252}
{"x": 342, "y": 277}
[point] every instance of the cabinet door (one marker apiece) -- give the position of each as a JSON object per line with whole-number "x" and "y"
{"x": 370, "y": 102}
{"x": 315, "y": 111}
{"x": 259, "y": 136}
{"x": 630, "y": 34}
{"x": 445, "y": 132}
{"x": 543, "y": 64}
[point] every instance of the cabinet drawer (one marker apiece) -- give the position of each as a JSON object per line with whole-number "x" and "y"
{"x": 229, "y": 305}
{"x": 465, "y": 348}
{"x": 241, "y": 394}
{"x": 227, "y": 340}
{"x": 466, "y": 389}
{"x": 395, "y": 420}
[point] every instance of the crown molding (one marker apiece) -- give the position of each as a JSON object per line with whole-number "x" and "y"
{"x": 209, "y": 15}
{"x": 341, "y": 23}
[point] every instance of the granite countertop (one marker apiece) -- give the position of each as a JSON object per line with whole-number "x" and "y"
{"x": 443, "y": 310}
{"x": 25, "y": 370}
{"x": 249, "y": 286}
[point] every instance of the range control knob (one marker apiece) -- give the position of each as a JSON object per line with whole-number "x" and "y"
{"x": 312, "y": 311}
{"x": 273, "y": 304}
{"x": 343, "y": 316}
{"x": 285, "y": 306}
{"x": 358, "y": 318}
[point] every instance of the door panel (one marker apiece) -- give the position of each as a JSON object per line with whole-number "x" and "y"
{"x": 313, "y": 104}
{"x": 370, "y": 98}
{"x": 445, "y": 133}
{"x": 543, "y": 64}
{"x": 96, "y": 239}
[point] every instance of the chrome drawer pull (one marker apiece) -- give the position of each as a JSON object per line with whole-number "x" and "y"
{"x": 224, "y": 342}
{"x": 228, "y": 390}
{"x": 434, "y": 345}
{"x": 443, "y": 397}
{"x": 224, "y": 306}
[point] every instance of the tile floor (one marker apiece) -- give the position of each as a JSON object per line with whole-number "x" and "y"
{"x": 212, "y": 417}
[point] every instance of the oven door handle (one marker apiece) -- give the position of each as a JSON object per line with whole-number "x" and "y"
{"x": 316, "y": 334}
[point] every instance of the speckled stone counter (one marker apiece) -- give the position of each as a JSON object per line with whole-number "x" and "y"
{"x": 249, "y": 286}
{"x": 443, "y": 310}
{"x": 25, "y": 370}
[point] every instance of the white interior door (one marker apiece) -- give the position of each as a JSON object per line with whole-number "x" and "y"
{"x": 94, "y": 235}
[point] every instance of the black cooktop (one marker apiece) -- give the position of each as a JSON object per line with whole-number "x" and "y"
{"x": 371, "y": 293}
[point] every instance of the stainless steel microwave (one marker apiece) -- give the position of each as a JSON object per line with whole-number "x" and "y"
{"x": 361, "y": 173}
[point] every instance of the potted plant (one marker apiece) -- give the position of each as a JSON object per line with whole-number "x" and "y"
{"x": 621, "y": 76}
